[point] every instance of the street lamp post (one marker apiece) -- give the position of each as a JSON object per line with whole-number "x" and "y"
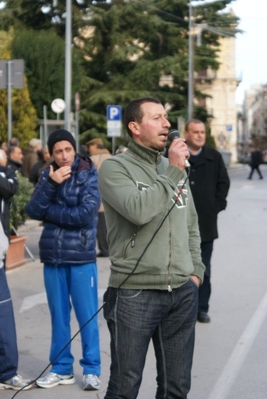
{"x": 190, "y": 66}
{"x": 68, "y": 66}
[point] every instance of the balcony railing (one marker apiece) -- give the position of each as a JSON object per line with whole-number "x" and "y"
{"x": 205, "y": 75}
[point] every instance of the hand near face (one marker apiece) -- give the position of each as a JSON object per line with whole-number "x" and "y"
{"x": 61, "y": 174}
{"x": 178, "y": 153}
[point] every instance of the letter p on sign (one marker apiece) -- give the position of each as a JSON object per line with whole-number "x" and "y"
{"x": 114, "y": 120}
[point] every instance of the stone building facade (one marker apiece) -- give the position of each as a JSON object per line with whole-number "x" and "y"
{"x": 221, "y": 86}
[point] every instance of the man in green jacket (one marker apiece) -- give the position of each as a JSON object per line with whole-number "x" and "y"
{"x": 156, "y": 265}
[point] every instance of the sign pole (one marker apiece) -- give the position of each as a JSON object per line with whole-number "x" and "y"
{"x": 77, "y": 109}
{"x": 113, "y": 145}
{"x": 45, "y": 124}
{"x": 68, "y": 37}
{"x": 9, "y": 96}
{"x": 190, "y": 65}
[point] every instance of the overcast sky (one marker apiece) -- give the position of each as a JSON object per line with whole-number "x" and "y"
{"x": 251, "y": 46}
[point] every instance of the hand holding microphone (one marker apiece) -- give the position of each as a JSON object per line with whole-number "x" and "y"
{"x": 178, "y": 151}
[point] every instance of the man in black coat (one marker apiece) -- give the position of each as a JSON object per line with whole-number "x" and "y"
{"x": 255, "y": 161}
{"x": 8, "y": 187}
{"x": 209, "y": 183}
{"x": 15, "y": 157}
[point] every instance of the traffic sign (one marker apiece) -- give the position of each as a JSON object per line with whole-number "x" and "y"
{"x": 77, "y": 102}
{"x": 12, "y": 74}
{"x": 113, "y": 120}
{"x": 58, "y": 105}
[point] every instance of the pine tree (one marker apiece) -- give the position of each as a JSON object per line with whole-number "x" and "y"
{"x": 132, "y": 45}
{"x": 129, "y": 46}
{"x": 44, "y": 55}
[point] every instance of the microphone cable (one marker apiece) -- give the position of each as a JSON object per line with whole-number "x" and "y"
{"x": 116, "y": 290}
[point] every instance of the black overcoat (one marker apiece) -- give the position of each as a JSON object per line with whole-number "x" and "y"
{"x": 8, "y": 187}
{"x": 209, "y": 183}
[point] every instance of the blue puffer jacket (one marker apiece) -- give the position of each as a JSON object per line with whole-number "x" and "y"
{"x": 69, "y": 212}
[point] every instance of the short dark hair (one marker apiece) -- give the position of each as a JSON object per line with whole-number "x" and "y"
{"x": 11, "y": 150}
{"x": 14, "y": 141}
{"x": 192, "y": 121}
{"x": 133, "y": 112}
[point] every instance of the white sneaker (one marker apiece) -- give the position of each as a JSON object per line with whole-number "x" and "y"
{"x": 16, "y": 383}
{"x": 90, "y": 382}
{"x": 52, "y": 380}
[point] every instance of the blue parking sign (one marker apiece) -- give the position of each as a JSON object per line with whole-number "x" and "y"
{"x": 114, "y": 113}
{"x": 113, "y": 120}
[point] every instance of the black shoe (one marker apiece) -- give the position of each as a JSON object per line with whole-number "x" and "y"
{"x": 102, "y": 255}
{"x": 203, "y": 317}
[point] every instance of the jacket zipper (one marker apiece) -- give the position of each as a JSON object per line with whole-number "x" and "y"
{"x": 169, "y": 277}
{"x": 133, "y": 239}
{"x": 169, "y": 287}
{"x": 131, "y": 242}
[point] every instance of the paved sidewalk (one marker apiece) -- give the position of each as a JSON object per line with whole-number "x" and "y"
{"x": 239, "y": 284}
{"x": 33, "y": 330}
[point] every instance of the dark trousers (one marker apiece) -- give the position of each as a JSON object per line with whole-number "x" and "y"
{"x": 205, "y": 288}
{"x": 8, "y": 338}
{"x": 102, "y": 234}
{"x": 252, "y": 171}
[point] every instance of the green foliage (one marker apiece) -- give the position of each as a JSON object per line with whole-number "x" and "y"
{"x": 125, "y": 46}
{"x": 18, "y": 214}
{"x": 44, "y": 55}
{"x": 41, "y": 15}
{"x": 24, "y": 118}
{"x": 5, "y": 40}
{"x": 126, "y": 59}
{"x": 210, "y": 142}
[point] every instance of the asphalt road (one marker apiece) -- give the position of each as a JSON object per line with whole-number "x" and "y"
{"x": 230, "y": 360}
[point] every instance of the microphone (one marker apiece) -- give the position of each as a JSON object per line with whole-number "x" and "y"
{"x": 175, "y": 134}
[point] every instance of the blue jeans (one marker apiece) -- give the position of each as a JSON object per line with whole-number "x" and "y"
{"x": 76, "y": 285}
{"x": 135, "y": 317}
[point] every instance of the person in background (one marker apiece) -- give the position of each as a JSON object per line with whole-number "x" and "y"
{"x": 8, "y": 187}
{"x": 255, "y": 161}
{"x": 9, "y": 379}
{"x": 96, "y": 146}
{"x": 98, "y": 154}
{"x": 14, "y": 141}
{"x": 156, "y": 265}
{"x": 4, "y": 146}
{"x": 3, "y": 158}
{"x": 66, "y": 199}
{"x": 83, "y": 150}
{"x": 15, "y": 157}
{"x": 121, "y": 149}
{"x": 209, "y": 183}
{"x": 30, "y": 156}
{"x": 37, "y": 168}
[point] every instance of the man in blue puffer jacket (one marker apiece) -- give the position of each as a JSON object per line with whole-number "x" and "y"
{"x": 66, "y": 199}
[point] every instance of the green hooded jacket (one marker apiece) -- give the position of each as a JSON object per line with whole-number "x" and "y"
{"x": 138, "y": 188}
